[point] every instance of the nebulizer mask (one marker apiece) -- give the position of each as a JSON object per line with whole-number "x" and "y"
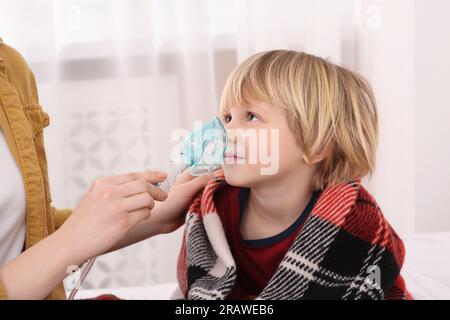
{"x": 202, "y": 151}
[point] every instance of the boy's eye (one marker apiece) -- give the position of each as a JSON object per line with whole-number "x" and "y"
{"x": 227, "y": 118}
{"x": 251, "y": 117}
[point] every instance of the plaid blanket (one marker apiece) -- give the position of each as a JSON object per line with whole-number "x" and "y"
{"x": 345, "y": 250}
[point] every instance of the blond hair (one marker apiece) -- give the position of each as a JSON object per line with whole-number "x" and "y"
{"x": 329, "y": 109}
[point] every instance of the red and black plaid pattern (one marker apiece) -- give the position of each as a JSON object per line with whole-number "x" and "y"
{"x": 345, "y": 250}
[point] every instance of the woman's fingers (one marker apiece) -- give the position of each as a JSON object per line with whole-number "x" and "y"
{"x": 153, "y": 176}
{"x": 190, "y": 187}
{"x": 120, "y": 178}
{"x": 185, "y": 176}
{"x": 195, "y": 185}
{"x": 150, "y": 176}
{"x": 134, "y": 187}
{"x": 137, "y": 202}
{"x": 134, "y": 217}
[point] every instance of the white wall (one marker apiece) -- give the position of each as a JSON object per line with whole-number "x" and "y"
{"x": 386, "y": 58}
{"x": 432, "y": 115}
{"x": 404, "y": 50}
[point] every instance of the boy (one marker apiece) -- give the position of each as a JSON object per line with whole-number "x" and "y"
{"x": 307, "y": 229}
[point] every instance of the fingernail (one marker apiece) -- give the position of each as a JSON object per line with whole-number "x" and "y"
{"x": 161, "y": 175}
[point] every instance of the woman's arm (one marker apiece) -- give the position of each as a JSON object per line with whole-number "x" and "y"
{"x": 35, "y": 272}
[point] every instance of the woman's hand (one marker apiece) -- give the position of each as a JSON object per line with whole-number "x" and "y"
{"x": 111, "y": 207}
{"x": 171, "y": 212}
{"x": 169, "y": 215}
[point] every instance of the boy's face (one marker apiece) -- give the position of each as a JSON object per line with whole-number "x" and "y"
{"x": 261, "y": 146}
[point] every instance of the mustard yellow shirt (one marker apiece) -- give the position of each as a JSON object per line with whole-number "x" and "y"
{"x": 23, "y": 120}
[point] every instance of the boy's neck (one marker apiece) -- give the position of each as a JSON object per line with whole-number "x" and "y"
{"x": 282, "y": 200}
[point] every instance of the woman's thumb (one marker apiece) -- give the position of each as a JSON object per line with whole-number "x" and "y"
{"x": 198, "y": 183}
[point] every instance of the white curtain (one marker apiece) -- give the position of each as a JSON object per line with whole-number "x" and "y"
{"x": 117, "y": 77}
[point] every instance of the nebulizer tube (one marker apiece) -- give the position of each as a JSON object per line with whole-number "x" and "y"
{"x": 202, "y": 152}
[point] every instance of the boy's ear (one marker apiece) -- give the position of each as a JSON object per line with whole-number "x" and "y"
{"x": 319, "y": 156}
{"x": 312, "y": 160}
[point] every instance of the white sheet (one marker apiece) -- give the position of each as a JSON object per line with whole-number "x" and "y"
{"x": 426, "y": 268}
{"x": 156, "y": 292}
